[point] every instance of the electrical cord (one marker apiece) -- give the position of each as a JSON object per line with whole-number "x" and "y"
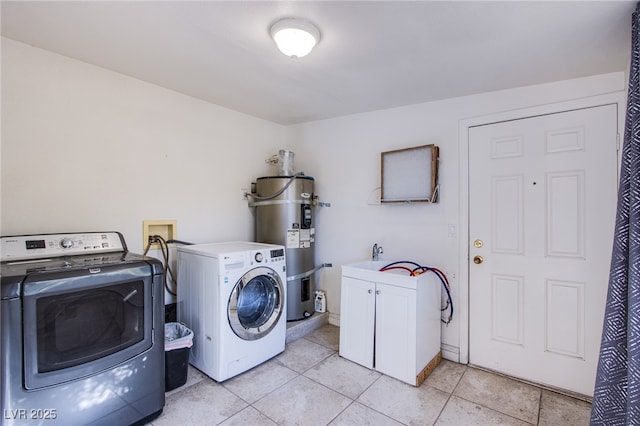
{"x": 164, "y": 248}
{"x": 419, "y": 269}
{"x": 184, "y": 243}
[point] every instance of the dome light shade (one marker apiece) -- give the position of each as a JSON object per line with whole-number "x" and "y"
{"x": 295, "y": 37}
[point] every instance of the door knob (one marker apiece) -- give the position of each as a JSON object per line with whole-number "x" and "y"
{"x": 478, "y": 260}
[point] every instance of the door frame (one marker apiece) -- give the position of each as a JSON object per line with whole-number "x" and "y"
{"x": 616, "y": 98}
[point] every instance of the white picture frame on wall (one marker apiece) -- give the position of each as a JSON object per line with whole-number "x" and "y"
{"x": 410, "y": 175}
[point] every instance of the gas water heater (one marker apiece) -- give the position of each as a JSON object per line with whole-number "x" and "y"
{"x": 284, "y": 215}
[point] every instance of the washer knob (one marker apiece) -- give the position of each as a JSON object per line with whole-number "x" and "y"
{"x": 259, "y": 257}
{"x": 66, "y": 243}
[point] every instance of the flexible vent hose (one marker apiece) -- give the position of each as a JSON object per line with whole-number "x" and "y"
{"x": 284, "y": 188}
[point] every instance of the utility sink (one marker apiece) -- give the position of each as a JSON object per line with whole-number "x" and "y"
{"x": 369, "y": 270}
{"x": 390, "y": 321}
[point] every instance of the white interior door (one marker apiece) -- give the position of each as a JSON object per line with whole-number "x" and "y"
{"x": 542, "y": 198}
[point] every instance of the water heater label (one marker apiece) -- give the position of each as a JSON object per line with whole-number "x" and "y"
{"x": 305, "y": 238}
{"x": 293, "y": 238}
{"x": 300, "y": 238}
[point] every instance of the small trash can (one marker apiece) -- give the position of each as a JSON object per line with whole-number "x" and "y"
{"x": 177, "y": 341}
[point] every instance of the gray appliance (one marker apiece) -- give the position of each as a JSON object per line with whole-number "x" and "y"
{"x": 284, "y": 215}
{"x": 82, "y": 331}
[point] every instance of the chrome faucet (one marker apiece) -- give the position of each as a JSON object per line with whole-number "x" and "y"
{"x": 376, "y": 251}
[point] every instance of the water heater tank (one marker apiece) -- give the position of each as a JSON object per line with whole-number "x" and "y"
{"x": 284, "y": 215}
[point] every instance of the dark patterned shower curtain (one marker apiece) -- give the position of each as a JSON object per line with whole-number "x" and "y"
{"x": 616, "y": 399}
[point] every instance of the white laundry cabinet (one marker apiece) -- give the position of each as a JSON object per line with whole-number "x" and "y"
{"x": 390, "y": 322}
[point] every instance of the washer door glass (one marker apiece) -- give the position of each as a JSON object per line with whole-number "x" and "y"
{"x": 256, "y": 303}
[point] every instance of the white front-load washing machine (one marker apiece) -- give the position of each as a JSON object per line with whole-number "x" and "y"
{"x": 232, "y": 296}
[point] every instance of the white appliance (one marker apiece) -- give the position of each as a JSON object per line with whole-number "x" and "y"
{"x": 82, "y": 323}
{"x": 232, "y": 296}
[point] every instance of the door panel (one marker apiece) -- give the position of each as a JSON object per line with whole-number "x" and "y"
{"x": 357, "y": 319}
{"x": 508, "y": 210}
{"x": 507, "y": 308}
{"x": 395, "y": 334}
{"x": 565, "y": 305}
{"x": 542, "y": 197}
{"x": 565, "y": 214}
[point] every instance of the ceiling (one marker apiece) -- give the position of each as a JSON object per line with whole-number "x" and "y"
{"x": 372, "y": 54}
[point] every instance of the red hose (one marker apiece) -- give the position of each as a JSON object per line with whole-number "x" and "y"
{"x": 397, "y": 267}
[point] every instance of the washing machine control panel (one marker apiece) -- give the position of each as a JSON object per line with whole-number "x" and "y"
{"x": 267, "y": 256}
{"x": 277, "y": 254}
{"x": 23, "y": 247}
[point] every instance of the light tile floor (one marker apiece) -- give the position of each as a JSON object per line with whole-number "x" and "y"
{"x": 309, "y": 384}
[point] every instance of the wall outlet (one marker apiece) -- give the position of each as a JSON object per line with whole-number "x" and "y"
{"x": 244, "y": 192}
{"x": 167, "y": 229}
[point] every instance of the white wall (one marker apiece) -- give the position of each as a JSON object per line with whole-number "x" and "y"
{"x": 84, "y": 148}
{"x": 343, "y": 154}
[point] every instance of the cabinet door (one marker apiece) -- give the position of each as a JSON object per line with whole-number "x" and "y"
{"x": 395, "y": 346}
{"x": 357, "y": 318}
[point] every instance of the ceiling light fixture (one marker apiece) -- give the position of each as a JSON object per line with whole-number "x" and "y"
{"x": 295, "y": 37}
